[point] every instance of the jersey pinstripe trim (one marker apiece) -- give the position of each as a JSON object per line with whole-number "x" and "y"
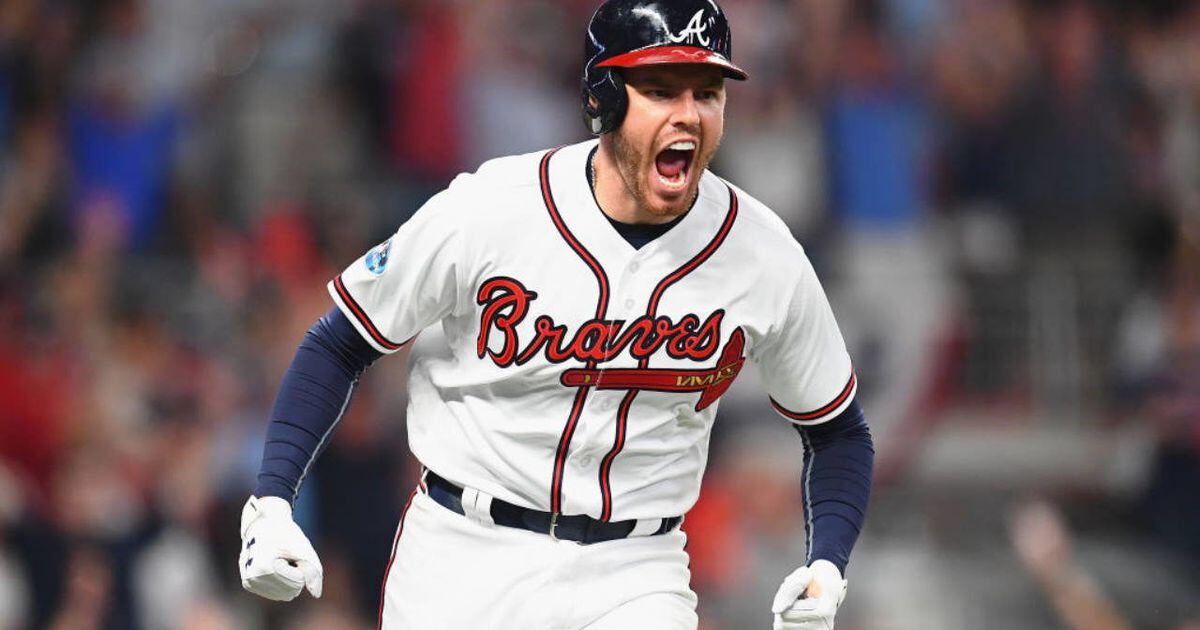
{"x": 360, "y": 316}
{"x": 392, "y": 559}
{"x": 821, "y": 414}
{"x": 651, "y": 311}
{"x": 564, "y": 441}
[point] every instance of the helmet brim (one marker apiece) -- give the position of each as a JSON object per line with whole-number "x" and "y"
{"x": 662, "y": 55}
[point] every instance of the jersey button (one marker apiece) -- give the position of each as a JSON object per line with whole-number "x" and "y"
{"x": 628, "y": 303}
{"x": 633, "y": 267}
{"x": 585, "y": 461}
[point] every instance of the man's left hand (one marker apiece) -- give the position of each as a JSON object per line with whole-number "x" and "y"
{"x": 809, "y": 597}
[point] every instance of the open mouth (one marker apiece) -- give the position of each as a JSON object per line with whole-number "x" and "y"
{"x": 674, "y": 163}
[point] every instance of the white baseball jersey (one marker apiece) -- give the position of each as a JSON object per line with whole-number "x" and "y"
{"x": 584, "y": 375}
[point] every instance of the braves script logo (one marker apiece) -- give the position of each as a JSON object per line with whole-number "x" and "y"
{"x": 506, "y": 302}
{"x": 695, "y": 28}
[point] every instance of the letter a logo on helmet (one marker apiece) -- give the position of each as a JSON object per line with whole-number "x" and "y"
{"x": 695, "y": 27}
{"x": 632, "y": 33}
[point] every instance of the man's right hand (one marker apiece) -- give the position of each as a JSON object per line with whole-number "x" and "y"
{"x": 276, "y": 560}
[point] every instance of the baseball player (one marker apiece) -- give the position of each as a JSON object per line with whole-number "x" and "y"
{"x": 597, "y": 300}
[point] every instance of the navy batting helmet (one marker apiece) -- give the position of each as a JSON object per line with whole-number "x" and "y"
{"x": 629, "y": 33}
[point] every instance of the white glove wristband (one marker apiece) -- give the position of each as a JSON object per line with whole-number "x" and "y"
{"x": 794, "y": 612}
{"x": 276, "y": 561}
{"x": 264, "y": 507}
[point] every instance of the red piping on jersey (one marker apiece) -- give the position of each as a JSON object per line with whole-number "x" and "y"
{"x": 362, "y": 318}
{"x": 564, "y": 442}
{"x": 395, "y": 543}
{"x": 817, "y": 413}
{"x": 651, "y": 311}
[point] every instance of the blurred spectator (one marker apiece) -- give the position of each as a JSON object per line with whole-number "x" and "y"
{"x": 426, "y": 137}
{"x": 1115, "y": 597}
{"x": 773, "y": 140}
{"x": 887, "y": 253}
{"x": 121, "y": 148}
{"x": 15, "y": 596}
{"x": 1070, "y": 151}
{"x": 1170, "y": 514}
{"x": 511, "y": 107}
{"x": 31, "y": 200}
{"x": 744, "y": 543}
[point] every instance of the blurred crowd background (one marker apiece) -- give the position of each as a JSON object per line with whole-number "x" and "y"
{"x": 1001, "y": 196}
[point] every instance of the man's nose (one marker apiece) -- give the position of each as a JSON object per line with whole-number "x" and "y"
{"x": 686, "y": 113}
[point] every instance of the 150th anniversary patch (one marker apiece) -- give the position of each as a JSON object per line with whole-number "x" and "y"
{"x": 377, "y": 258}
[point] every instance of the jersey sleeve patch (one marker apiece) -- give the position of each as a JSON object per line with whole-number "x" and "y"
{"x": 358, "y": 316}
{"x": 376, "y": 260}
{"x": 825, "y": 412}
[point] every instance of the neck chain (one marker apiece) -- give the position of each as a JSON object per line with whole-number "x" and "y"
{"x": 592, "y": 171}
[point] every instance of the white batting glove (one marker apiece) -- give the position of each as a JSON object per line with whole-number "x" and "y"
{"x": 809, "y": 613}
{"x": 276, "y": 561}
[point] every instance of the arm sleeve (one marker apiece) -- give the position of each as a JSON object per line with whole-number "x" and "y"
{"x": 803, "y": 361}
{"x": 838, "y": 461}
{"x": 412, "y": 279}
{"x": 314, "y": 394}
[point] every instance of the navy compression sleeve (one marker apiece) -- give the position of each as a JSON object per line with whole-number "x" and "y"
{"x": 314, "y": 394}
{"x": 838, "y": 460}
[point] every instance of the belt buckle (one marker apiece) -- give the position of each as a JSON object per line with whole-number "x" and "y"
{"x": 554, "y": 533}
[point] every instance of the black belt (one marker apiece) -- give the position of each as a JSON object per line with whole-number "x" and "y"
{"x": 579, "y": 528}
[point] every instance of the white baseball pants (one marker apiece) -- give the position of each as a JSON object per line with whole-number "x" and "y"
{"x": 450, "y": 571}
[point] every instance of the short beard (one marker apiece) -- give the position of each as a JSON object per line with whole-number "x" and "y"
{"x": 630, "y": 165}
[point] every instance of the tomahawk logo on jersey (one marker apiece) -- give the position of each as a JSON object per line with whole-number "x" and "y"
{"x": 584, "y": 374}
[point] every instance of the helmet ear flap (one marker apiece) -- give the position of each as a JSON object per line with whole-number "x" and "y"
{"x": 604, "y": 100}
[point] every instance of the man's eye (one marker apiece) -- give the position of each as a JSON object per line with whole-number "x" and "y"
{"x": 657, "y": 93}
{"x": 708, "y": 95}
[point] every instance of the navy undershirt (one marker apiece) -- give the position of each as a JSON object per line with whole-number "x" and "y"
{"x": 636, "y": 234}
{"x": 838, "y": 462}
{"x": 314, "y": 394}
